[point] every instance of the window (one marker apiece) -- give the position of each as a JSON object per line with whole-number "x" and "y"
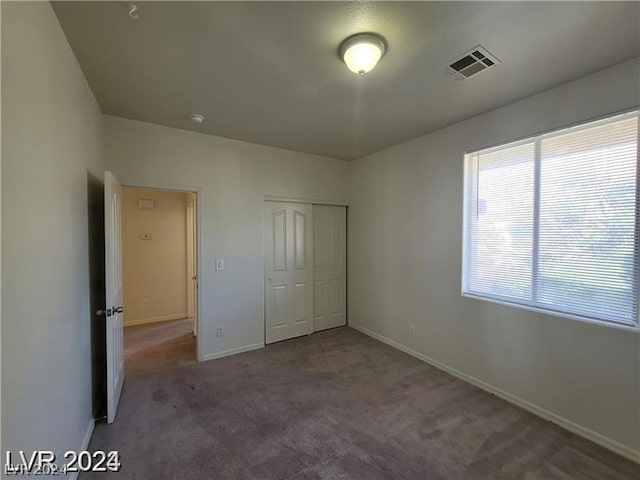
{"x": 551, "y": 222}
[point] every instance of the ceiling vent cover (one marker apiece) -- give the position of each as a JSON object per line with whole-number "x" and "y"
{"x": 470, "y": 63}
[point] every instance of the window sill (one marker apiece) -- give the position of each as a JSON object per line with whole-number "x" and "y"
{"x": 619, "y": 326}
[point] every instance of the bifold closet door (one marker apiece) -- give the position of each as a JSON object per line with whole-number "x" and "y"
{"x": 329, "y": 266}
{"x": 288, "y": 270}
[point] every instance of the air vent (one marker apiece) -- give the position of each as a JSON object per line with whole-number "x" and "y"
{"x": 474, "y": 61}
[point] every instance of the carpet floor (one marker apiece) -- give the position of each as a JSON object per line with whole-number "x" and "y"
{"x": 335, "y": 405}
{"x": 157, "y": 346}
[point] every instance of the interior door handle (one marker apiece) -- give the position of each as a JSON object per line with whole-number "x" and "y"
{"x": 118, "y": 309}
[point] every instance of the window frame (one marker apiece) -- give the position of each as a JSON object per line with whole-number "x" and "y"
{"x": 467, "y": 223}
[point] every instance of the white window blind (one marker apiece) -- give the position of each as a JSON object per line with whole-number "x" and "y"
{"x": 551, "y": 221}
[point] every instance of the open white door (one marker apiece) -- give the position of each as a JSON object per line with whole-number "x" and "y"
{"x": 192, "y": 264}
{"x": 113, "y": 281}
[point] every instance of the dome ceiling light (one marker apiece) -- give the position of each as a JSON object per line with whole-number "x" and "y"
{"x": 362, "y": 51}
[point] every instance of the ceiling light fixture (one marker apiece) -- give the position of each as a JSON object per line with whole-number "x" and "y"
{"x": 362, "y": 51}
{"x": 196, "y": 118}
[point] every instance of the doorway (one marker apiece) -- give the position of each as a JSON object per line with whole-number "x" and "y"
{"x": 305, "y": 269}
{"x": 160, "y": 282}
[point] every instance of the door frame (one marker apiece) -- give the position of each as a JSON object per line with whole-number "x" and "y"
{"x": 312, "y": 201}
{"x": 197, "y": 190}
{"x": 278, "y": 198}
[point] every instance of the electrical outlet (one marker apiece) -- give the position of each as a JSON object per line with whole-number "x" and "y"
{"x": 219, "y": 332}
{"x": 412, "y": 330}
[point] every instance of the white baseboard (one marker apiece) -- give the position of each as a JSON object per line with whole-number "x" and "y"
{"x": 233, "y": 351}
{"x": 584, "y": 432}
{"x": 84, "y": 445}
{"x": 163, "y": 318}
{"x": 87, "y": 434}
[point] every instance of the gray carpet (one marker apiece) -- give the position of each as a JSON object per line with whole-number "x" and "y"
{"x": 336, "y": 405}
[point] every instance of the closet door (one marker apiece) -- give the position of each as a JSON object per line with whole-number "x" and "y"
{"x": 329, "y": 266}
{"x": 288, "y": 270}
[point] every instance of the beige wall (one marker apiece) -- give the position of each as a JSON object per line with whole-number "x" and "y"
{"x": 233, "y": 178}
{"x": 405, "y": 238}
{"x": 155, "y": 270}
{"x": 51, "y": 159}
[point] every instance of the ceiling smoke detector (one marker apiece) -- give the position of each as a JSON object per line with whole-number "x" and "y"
{"x": 474, "y": 61}
{"x": 196, "y": 118}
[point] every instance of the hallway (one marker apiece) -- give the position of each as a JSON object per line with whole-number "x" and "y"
{"x": 153, "y": 347}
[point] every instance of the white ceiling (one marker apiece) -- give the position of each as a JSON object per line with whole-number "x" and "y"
{"x": 269, "y": 73}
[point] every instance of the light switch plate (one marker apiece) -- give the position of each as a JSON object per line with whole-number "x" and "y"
{"x": 219, "y": 264}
